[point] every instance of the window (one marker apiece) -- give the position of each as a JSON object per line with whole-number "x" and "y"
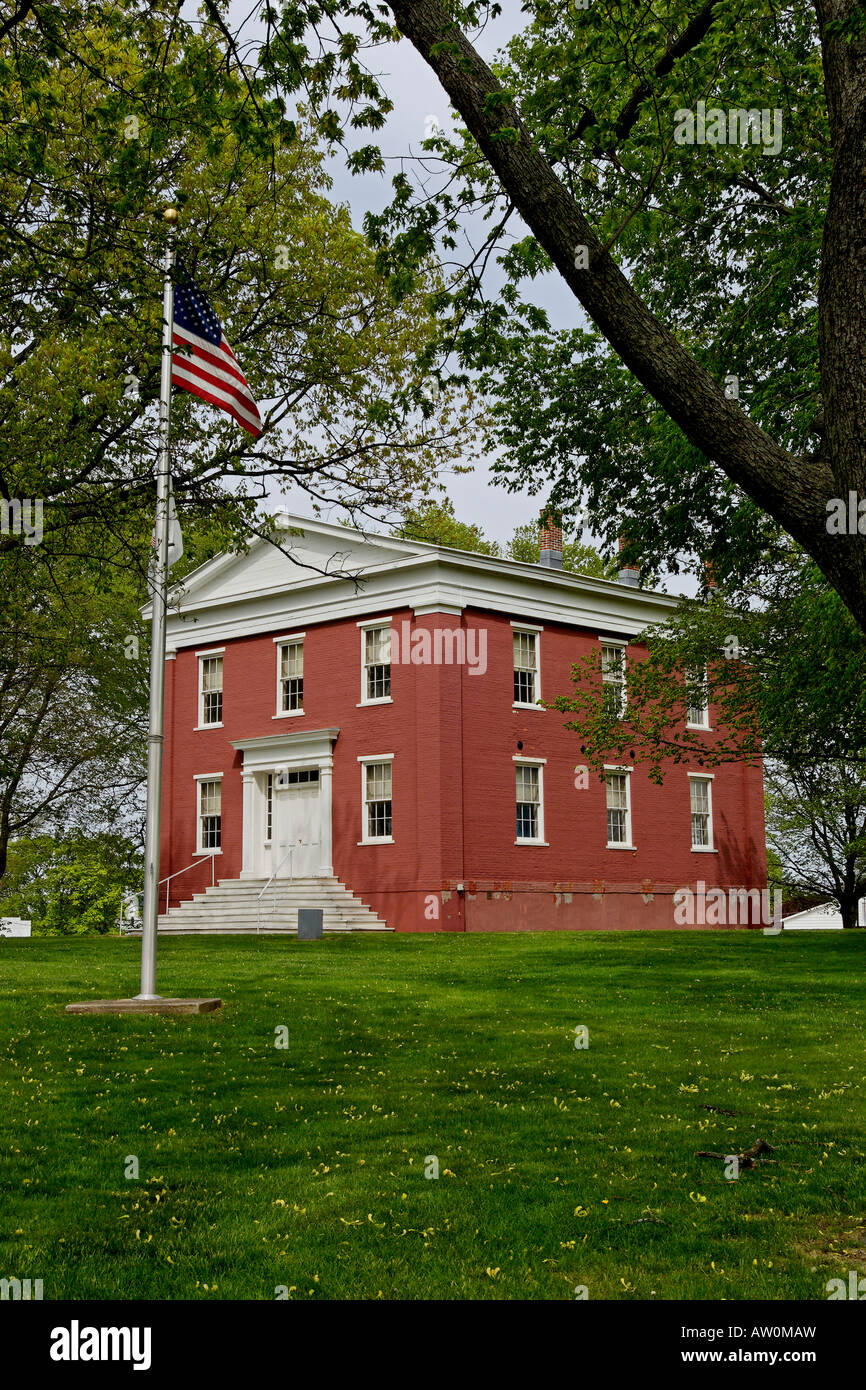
{"x": 269, "y": 814}
{"x": 701, "y": 801}
{"x": 530, "y": 816}
{"x": 290, "y": 695}
{"x": 210, "y": 684}
{"x": 618, "y": 808}
{"x": 302, "y": 777}
{"x": 209, "y": 815}
{"x": 613, "y": 678}
{"x": 526, "y": 683}
{"x": 698, "y": 713}
{"x": 376, "y": 793}
{"x": 377, "y": 664}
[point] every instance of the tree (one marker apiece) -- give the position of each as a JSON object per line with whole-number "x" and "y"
{"x": 111, "y": 110}
{"x": 434, "y": 522}
{"x": 72, "y": 885}
{"x": 73, "y": 698}
{"x": 780, "y": 671}
{"x": 816, "y": 828}
{"x": 601, "y": 96}
{"x": 73, "y": 684}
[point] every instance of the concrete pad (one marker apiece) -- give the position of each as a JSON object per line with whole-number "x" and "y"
{"x": 145, "y": 1006}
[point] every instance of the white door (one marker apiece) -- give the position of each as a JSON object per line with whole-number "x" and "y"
{"x": 298, "y": 839}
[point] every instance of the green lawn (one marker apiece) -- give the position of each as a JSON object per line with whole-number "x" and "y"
{"x": 305, "y": 1167}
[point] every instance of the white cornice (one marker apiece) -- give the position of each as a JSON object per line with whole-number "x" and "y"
{"x": 431, "y": 578}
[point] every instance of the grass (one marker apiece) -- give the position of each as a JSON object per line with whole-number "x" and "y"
{"x": 304, "y": 1167}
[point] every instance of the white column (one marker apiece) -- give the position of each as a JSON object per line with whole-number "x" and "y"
{"x": 326, "y": 769}
{"x": 248, "y": 867}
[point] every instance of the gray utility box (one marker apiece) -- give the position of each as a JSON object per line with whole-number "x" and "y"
{"x": 310, "y": 923}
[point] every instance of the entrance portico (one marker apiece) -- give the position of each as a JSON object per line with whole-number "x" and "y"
{"x": 287, "y": 800}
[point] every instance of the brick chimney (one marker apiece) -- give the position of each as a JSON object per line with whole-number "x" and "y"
{"x": 628, "y": 574}
{"x": 550, "y": 539}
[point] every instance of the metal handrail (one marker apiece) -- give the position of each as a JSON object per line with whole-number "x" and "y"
{"x": 259, "y": 897}
{"x": 200, "y": 860}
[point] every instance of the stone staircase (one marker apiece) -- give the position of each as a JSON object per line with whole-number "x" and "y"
{"x": 232, "y": 906}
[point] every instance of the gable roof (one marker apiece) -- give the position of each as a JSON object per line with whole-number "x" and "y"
{"x": 322, "y": 572}
{"x": 315, "y": 549}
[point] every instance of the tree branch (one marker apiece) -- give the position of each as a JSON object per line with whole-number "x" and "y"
{"x": 793, "y": 490}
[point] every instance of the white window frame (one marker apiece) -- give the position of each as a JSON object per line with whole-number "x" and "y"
{"x": 540, "y": 763}
{"x": 270, "y": 778}
{"x": 628, "y": 843}
{"x": 200, "y": 778}
{"x": 622, "y": 644}
{"x": 704, "y": 723}
{"x": 364, "y": 627}
{"x": 707, "y": 777}
{"x": 364, "y": 761}
{"x": 201, "y": 657}
{"x": 293, "y": 639}
{"x": 527, "y": 630}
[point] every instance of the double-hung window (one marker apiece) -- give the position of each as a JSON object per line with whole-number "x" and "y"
{"x": 210, "y": 690}
{"x": 376, "y": 660}
{"x": 701, "y": 806}
{"x": 209, "y": 814}
{"x": 617, "y": 783}
{"x": 527, "y": 674}
{"x": 529, "y": 802}
{"x": 290, "y": 676}
{"x": 613, "y": 678}
{"x": 376, "y": 802}
{"x": 698, "y": 712}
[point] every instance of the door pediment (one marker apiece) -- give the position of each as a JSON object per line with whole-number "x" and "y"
{"x": 310, "y": 746}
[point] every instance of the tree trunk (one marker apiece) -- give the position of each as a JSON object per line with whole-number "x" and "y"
{"x": 794, "y": 490}
{"x": 848, "y": 905}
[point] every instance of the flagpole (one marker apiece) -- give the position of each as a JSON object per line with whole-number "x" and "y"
{"x": 159, "y": 585}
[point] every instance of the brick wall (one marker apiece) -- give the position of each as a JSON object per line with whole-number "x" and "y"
{"x": 454, "y": 734}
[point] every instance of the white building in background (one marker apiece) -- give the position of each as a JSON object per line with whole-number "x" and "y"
{"x": 14, "y": 926}
{"x": 824, "y": 917}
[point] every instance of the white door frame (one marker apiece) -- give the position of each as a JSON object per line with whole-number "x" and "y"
{"x": 283, "y": 753}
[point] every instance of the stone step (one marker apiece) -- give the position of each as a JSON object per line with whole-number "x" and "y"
{"x": 284, "y": 894}
{"x": 191, "y": 930}
{"x": 284, "y": 900}
{"x": 284, "y": 903}
{"x": 236, "y": 906}
{"x": 252, "y": 917}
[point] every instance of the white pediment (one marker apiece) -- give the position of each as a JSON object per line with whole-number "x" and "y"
{"x": 307, "y": 551}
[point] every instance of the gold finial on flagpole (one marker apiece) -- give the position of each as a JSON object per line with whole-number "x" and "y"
{"x": 170, "y": 216}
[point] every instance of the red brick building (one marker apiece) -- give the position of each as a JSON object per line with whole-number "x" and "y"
{"x": 365, "y": 716}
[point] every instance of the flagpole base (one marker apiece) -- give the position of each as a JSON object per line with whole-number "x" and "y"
{"x": 151, "y": 1004}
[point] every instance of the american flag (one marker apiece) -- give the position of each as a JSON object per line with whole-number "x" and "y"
{"x": 203, "y": 362}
